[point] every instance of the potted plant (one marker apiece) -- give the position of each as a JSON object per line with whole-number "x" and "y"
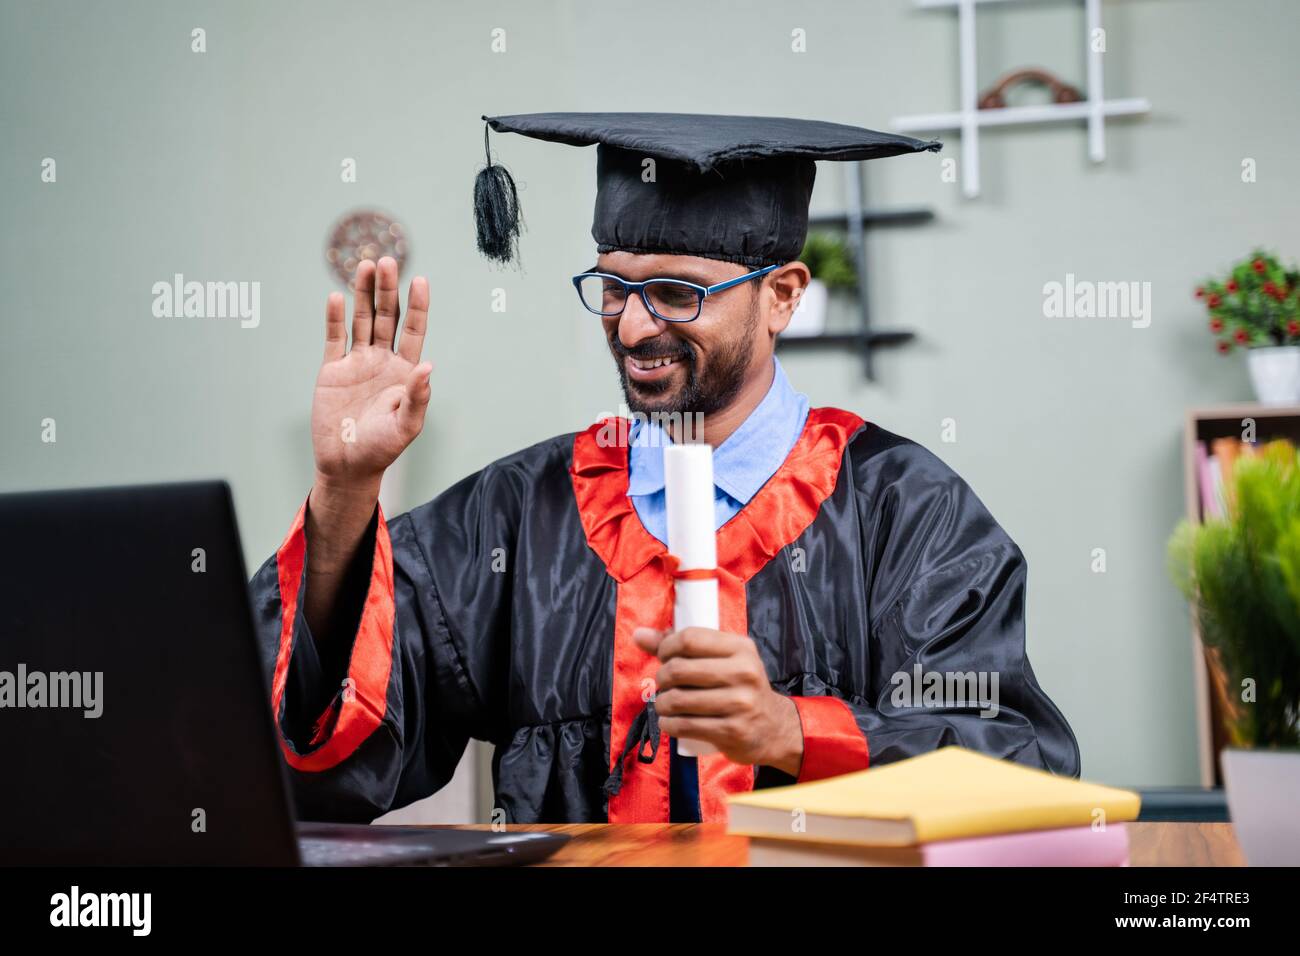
{"x": 828, "y": 259}
{"x": 1241, "y": 574}
{"x": 1257, "y": 307}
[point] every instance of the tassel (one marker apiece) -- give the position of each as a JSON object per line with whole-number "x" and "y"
{"x": 644, "y": 730}
{"x": 496, "y": 210}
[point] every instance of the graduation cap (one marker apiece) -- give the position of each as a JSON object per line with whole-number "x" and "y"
{"x": 734, "y": 188}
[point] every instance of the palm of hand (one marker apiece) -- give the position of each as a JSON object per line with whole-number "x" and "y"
{"x": 355, "y": 426}
{"x": 370, "y": 401}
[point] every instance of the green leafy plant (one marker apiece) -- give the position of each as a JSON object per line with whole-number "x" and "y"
{"x": 1257, "y": 305}
{"x": 1242, "y": 576}
{"x": 828, "y": 258}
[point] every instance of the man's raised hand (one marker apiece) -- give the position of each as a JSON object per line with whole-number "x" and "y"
{"x": 370, "y": 400}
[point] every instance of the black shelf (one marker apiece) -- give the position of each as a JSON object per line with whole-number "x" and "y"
{"x": 856, "y": 219}
{"x": 846, "y": 338}
{"x": 906, "y": 216}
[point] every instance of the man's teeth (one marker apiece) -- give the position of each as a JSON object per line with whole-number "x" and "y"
{"x": 648, "y": 364}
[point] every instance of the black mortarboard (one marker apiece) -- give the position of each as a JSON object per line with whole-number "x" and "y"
{"x": 734, "y": 188}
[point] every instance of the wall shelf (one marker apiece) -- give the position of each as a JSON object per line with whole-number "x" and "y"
{"x": 856, "y": 219}
{"x": 968, "y": 120}
{"x": 875, "y": 217}
{"x": 1021, "y": 115}
{"x": 841, "y": 339}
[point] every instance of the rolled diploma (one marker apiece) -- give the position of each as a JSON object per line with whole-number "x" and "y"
{"x": 688, "y": 491}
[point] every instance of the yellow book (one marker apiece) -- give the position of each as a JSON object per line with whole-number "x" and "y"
{"x": 944, "y": 795}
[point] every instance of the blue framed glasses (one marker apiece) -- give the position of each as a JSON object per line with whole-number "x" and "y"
{"x": 673, "y": 300}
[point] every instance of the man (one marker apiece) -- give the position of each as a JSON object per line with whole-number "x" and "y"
{"x": 530, "y": 604}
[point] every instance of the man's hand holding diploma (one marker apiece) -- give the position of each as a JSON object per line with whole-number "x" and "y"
{"x": 712, "y": 686}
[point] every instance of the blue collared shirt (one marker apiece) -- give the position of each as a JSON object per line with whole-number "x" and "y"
{"x": 741, "y": 465}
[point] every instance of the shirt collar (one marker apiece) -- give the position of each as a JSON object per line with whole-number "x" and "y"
{"x": 745, "y": 461}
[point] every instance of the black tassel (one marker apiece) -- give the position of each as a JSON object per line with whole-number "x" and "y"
{"x": 496, "y": 210}
{"x": 644, "y": 730}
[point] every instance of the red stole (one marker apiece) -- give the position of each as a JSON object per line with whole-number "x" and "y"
{"x": 774, "y": 518}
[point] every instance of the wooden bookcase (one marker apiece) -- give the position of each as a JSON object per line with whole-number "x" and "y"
{"x": 1207, "y": 424}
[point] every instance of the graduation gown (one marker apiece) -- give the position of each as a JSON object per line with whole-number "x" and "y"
{"x": 503, "y": 611}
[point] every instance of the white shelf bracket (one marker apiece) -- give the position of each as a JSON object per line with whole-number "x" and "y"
{"x": 1096, "y": 91}
{"x": 970, "y": 152}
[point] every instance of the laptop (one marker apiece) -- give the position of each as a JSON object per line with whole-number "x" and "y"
{"x": 135, "y": 719}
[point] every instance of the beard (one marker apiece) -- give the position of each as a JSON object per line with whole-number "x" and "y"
{"x": 702, "y": 394}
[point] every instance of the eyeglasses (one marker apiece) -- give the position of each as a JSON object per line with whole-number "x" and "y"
{"x": 673, "y": 300}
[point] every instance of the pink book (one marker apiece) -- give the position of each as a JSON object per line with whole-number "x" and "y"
{"x": 1206, "y": 482}
{"x": 1071, "y": 846}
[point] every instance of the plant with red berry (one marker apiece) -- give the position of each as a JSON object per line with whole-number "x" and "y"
{"x": 1257, "y": 305}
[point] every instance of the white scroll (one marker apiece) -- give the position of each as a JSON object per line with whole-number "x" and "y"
{"x": 688, "y": 490}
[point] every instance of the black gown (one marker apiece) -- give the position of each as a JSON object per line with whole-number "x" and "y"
{"x": 503, "y": 610}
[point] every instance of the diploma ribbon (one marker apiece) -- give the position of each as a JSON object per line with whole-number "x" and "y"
{"x": 678, "y": 573}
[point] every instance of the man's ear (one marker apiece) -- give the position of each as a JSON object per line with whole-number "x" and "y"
{"x": 788, "y": 285}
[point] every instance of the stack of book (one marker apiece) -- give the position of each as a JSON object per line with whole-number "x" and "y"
{"x": 1214, "y": 464}
{"x": 952, "y": 807}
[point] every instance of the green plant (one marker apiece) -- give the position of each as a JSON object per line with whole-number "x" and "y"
{"x": 1242, "y": 576}
{"x": 1258, "y": 304}
{"x": 828, "y": 258}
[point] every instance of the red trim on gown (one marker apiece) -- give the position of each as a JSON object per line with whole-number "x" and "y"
{"x": 832, "y": 742}
{"x": 641, "y": 565}
{"x": 359, "y": 707}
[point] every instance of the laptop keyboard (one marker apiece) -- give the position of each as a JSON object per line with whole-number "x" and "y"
{"x": 342, "y": 844}
{"x": 316, "y": 851}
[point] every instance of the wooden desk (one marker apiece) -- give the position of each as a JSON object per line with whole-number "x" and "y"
{"x": 687, "y": 844}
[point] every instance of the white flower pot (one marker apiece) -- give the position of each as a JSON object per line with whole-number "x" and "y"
{"x": 1263, "y": 788}
{"x": 1275, "y": 374}
{"x": 809, "y": 317}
